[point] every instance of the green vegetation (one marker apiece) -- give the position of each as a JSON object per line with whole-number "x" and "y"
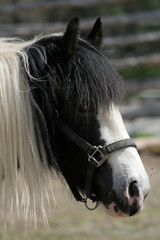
{"x": 140, "y": 72}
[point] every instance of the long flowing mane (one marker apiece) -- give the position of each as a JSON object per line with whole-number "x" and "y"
{"x": 30, "y": 76}
{"x": 18, "y": 139}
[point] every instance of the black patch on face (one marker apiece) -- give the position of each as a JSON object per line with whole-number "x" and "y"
{"x": 103, "y": 183}
{"x": 73, "y": 161}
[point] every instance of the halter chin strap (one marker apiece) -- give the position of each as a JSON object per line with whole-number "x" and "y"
{"x": 97, "y": 155}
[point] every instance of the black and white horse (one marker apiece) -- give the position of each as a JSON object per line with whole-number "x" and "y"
{"x": 59, "y": 114}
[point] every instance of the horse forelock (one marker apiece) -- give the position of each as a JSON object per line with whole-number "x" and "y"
{"x": 93, "y": 77}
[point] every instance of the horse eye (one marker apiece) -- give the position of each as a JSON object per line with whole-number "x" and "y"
{"x": 83, "y": 109}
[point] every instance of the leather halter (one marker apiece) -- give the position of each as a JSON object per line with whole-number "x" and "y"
{"x": 97, "y": 155}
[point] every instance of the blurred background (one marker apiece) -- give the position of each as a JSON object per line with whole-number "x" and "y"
{"x": 132, "y": 43}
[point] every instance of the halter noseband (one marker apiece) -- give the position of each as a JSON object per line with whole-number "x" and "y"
{"x": 97, "y": 155}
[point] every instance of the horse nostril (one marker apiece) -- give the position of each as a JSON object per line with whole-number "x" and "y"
{"x": 133, "y": 189}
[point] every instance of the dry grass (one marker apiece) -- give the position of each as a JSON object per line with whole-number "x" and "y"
{"x": 70, "y": 220}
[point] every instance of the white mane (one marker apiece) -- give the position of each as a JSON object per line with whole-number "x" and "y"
{"x": 21, "y": 188}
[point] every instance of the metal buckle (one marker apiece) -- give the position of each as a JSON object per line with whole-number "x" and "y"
{"x": 88, "y": 205}
{"x": 91, "y": 156}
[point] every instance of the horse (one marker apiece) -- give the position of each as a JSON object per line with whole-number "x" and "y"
{"x": 59, "y": 116}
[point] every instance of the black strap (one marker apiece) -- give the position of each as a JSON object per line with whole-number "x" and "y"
{"x": 91, "y": 168}
{"x": 86, "y": 146}
{"x": 119, "y": 145}
{"x": 89, "y": 149}
{"x": 74, "y": 137}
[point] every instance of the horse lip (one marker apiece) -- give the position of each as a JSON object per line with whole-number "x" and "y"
{"x": 124, "y": 207}
{"x": 116, "y": 209}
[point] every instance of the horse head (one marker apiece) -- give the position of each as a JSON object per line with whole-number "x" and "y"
{"x": 90, "y": 128}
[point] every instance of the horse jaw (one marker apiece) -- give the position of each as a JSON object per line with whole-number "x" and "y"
{"x": 126, "y": 165}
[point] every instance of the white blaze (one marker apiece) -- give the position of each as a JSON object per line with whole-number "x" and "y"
{"x": 126, "y": 163}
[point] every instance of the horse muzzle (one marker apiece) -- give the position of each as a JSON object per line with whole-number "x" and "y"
{"x": 127, "y": 203}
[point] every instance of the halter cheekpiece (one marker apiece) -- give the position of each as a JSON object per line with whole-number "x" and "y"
{"x": 97, "y": 155}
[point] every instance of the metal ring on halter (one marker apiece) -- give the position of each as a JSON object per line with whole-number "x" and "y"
{"x": 89, "y": 208}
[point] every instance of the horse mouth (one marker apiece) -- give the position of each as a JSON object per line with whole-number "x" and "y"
{"x": 126, "y": 211}
{"x": 122, "y": 208}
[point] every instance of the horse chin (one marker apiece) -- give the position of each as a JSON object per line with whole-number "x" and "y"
{"x": 114, "y": 211}
{"x": 111, "y": 211}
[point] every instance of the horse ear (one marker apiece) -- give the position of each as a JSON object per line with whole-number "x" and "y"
{"x": 96, "y": 34}
{"x": 70, "y": 38}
